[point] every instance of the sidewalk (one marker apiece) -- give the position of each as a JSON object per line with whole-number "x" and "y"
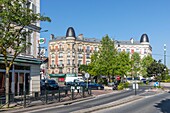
{"x": 37, "y": 104}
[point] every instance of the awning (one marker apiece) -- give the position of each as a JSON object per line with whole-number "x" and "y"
{"x": 57, "y": 75}
{"x": 71, "y": 75}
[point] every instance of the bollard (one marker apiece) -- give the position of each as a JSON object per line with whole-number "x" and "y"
{"x": 83, "y": 92}
{"x": 59, "y": 95}
{"x": 46, "y": 96}
{"x": 24, "y": 99}
{"x": 90, "y": 91}
{"x": 72, "y": 94}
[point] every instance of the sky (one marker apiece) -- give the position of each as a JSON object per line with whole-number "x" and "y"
{"x": 120, "y": 19}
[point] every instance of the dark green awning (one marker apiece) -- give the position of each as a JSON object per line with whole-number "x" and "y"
{"x": 71, "y": 75}
{"x": 57, "y": 75}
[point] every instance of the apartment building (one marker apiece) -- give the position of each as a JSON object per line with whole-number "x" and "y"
{"x": 142, "y": 47}
{"x": 67, "y": 53}
{"x": 25, "y": 72}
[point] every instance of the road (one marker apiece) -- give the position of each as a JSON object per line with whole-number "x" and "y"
{"x": 100, "y": 100}
{"x": 155, "y": 104}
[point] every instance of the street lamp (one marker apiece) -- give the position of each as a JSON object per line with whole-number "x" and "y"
{"x": 165, "y": 54}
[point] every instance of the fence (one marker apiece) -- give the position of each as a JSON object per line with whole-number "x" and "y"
{"x": 47, "y": 96}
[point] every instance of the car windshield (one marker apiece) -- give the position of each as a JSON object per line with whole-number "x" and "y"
{"x": 129, "y": 78}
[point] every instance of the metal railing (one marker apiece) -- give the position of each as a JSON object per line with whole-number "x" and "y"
{"x": 47, "y": 96}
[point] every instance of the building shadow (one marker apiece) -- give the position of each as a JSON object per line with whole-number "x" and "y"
{"x": 164, "y": 106}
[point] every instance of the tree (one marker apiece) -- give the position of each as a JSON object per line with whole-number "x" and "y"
{"x": 123, "y": 65}
{"x": 15, "y": 17}
{"x": 94, "y": 66}
{"x": 135, "y": 64}
{"x": 107, "y": 55}
{"x": 145, "y": 63}
{"x": 157, "y": 69}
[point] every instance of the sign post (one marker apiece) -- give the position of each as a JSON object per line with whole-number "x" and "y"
{"x": 87, "y": 76}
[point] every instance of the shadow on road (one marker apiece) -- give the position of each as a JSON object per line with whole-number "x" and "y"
{"x": 164, "y": 106}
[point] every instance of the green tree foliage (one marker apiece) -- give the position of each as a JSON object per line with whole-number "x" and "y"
{"x": 157, "y": 69}
{"x": 123, "y": 65}
{"x": 83, "y": 68}
{"x": 145, "y": 63}
{"x": 107, "y": 57}
{"x": 135, "y": 64}
{"x": 15, "y": 17}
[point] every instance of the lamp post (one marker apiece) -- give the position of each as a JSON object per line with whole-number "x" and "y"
{"x": 165, "y": 54}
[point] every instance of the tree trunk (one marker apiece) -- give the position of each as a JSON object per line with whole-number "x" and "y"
{"x": 7, "y": 86}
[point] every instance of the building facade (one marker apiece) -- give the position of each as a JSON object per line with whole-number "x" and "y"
{"x": 67, "y": 53}
{"x": 25, "y": 72}
{"x": 142, "y": 47}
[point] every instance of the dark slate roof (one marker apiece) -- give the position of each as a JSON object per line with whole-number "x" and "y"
{"x": 127, "y": 42}
{"x": 92, "y": 40}
{"x": 70, "y": 32}
{"x": 144, "y": 38}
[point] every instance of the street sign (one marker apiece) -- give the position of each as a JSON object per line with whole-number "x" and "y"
{"x": 41, "y": 40}
{"x": 87, "y": 75}
{"x": 156, "y": 84}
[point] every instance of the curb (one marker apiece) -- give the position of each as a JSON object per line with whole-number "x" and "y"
{"x": 21, "y": 109}
{"x": 116, "y": 103}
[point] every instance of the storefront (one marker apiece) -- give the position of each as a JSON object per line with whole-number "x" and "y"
{"x": 60, "y": 78}
{"x": 24, "y": 76}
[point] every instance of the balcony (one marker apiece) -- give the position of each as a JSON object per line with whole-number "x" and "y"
{"x": 60, "y": 65}
{"x": 87, "y": 50}
{"x": 60, "y": 56}
{"x": 52, "y": 66}
{"x": 68, "y": 64}
{"x": 80, "y": 50}
{"x": 61, "y": 49}
{"x": 87, "y": 57}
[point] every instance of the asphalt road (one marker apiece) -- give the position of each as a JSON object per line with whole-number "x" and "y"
{"x": 154, "y": 104}
{"x": 100, "y": 100}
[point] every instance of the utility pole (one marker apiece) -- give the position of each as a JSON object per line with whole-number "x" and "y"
{"x": 165, "y": 54}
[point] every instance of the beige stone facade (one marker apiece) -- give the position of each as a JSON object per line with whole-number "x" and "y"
{"x": 66, "y": 54}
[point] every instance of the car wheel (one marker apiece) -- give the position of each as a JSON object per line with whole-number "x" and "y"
{"x": 98, "y": 88}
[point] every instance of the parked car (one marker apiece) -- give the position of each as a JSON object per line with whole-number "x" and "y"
{"x": 50, "y": 85}
{"x": 96, "y": 86}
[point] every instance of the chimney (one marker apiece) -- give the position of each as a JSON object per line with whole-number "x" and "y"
{"x": 80, "y": 36}
{"x": 52, "y": 36}
{"x": 132, "y": 40}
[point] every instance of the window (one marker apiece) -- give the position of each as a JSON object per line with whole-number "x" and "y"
{"x": 60, "y": 70}
{"x": 60, "y": 55}
{"x": 119, "y": 50}
{"x": 80, "y": 55}
{"x": 73, "y": 62}
{"x": 60, "y": 62}
{"x": 53, "y": 55}
{"x": 73, "y": 54}
{"x": 79, "y": 62}
{"x": 72, "y": 70}
{"x": 96, "y": 49}
{"x": 128, "y": 50}
{"x": 88, "y": 48}
{"x": 52, "y": 62}
{"x": 137, "y": 50}
{"x": 145, "y": 51}
{"x": 87, "y": 56}
{"x": 68, "y": 61}
{"x": 68, "y": 54}
{"x": 87, "y": 62}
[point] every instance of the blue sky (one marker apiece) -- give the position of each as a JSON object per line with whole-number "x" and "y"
{"x": 120, "y": 19}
